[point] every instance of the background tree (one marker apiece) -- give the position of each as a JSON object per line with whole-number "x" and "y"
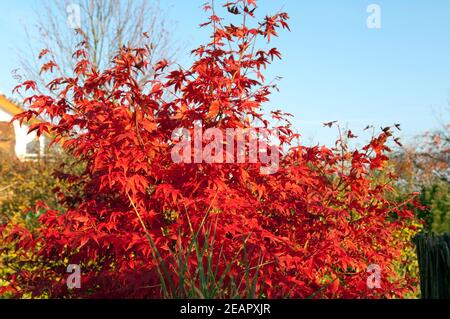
{"x": 107, "y": 25}
{"x": 424, "y": 167}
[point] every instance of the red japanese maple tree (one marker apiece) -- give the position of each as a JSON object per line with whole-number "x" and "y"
{"x": 310, "y": 229}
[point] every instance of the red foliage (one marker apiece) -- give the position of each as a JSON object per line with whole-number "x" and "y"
{"x": 315, "y": 225}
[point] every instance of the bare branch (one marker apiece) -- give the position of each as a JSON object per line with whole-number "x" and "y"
{"x": 108, "y": 25}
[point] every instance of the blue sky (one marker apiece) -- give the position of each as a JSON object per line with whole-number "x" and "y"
{"x": 333, "y": 67}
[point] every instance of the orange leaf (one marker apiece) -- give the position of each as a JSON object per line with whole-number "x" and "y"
{"x": 335, "y": 286}
{"x": 213, "y": 109}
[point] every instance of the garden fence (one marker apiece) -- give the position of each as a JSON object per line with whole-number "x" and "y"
{"x": 433, "y": 252}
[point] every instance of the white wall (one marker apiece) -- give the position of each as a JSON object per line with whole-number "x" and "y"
{"x": 5, "y": 117}
{"x": 22, "y": 138}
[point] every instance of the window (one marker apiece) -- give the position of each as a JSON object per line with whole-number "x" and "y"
{"x": 33, "y": 148}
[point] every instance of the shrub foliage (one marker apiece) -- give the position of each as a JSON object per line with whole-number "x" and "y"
{"x": 140, "y": 225}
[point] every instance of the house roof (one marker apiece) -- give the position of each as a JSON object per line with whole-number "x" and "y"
{"x": 8, "y": 106}
{"x": 13, "y": 109}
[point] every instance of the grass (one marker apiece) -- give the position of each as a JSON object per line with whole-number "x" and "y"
{"x": 207, "y": 280}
